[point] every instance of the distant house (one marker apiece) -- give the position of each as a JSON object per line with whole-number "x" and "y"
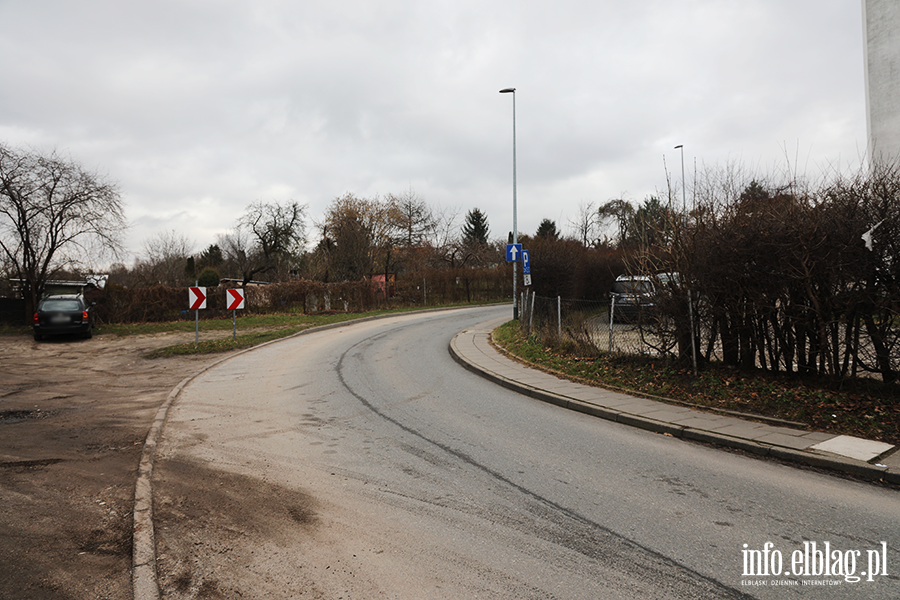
{"x": 55, "y": 287}
{"x": 384, "y": 284}
{"x": 229, "y": 282}
{"x": 12, "y": 309}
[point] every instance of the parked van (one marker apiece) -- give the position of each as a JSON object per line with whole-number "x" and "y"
{"x": 633, "y": 298}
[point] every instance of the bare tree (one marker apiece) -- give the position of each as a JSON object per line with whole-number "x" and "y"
{"x": 277, "y": 233}
{"x": 415, "y": 227}
{"x": 621, "y": 213}
{"x": 165, "y": 260}
{"x": 54, "y": 214}
{"x": 359, "y": 236}
{"x": 414, "y": 220}
{"x": 450, "y": 248}
{"x": 585, "y": 227}
{"x": 236, "y": 251}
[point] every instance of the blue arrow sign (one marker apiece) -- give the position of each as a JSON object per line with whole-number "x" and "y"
{"x": 512, "y": 252}
{"x": 526, "y": 263}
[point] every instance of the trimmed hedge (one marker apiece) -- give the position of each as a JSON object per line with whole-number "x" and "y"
{"x": 117, "y": 304}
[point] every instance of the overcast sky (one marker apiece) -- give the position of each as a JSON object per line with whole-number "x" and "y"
{"x": 200, "y": 107}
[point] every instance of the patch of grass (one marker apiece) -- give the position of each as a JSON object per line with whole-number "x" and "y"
{"x": 864, "y": 407}
{"x": 272, "y": 326}
{"x": 274, "y": 321}
{"x": 269, "y": 327}
{"x": 225, "y": 344}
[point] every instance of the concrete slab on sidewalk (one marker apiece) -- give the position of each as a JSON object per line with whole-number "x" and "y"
{"x": 796, "y": 442}
{"x": 668, "y": 413}
{"x": 853, "y": 447}
{"x": 742, "y": 429}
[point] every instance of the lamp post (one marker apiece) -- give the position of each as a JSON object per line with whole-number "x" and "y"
{"x": 690, "y": 295}
{"x": 515, "y": 225}
{"x": 683, "y": 197}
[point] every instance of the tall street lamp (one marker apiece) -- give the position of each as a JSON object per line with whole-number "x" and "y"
{"x": 690, "y": 295}
{"x": 683, "y": 197}
{"x": 515, "y": 224}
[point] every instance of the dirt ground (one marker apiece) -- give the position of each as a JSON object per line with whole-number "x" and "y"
{"x": 74, "y": 414}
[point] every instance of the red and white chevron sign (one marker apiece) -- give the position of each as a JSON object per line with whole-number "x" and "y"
{"x": 196, "y": 297}
{"x": 234, "y": 299}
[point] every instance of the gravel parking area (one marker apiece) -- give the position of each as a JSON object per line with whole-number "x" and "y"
{"x": 73, "y": 418}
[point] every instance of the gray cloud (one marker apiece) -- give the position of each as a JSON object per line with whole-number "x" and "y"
{"x": 199, "y": 108}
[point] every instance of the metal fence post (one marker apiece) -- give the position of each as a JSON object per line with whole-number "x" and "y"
{"x": 559, "y": 316}
{"x": 521, "y": 300}
{"x": 693, "y": 333}
{"x": 523, "y": 307}
{"x": 612, "y": 318}
{"x": 531, "y": 312}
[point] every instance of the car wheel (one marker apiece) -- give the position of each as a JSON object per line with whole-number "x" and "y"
{"x": 89, "y": 333}
{"x": 37, "y": 337}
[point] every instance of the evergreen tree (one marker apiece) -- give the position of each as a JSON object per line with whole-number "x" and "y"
{"x": 190, "y": 270}
{"x": 475, "y": 230}
{"x": 547, "y": 229}
{"x": 211, "y": 257}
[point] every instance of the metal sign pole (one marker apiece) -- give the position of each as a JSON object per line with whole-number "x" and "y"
{"x": 234, "y": 325}
{"x": 196, "y": 319}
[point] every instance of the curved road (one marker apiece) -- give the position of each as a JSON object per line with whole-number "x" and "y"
{"x": 362, "y": 462}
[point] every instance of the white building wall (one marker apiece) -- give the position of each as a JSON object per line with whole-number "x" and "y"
{"x": 881, "y": 36}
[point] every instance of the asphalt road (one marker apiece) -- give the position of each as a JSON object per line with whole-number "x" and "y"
{"x": 362, "y": 462}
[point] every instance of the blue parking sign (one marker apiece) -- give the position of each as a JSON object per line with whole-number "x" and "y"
{"x": 526, "y": 263}
{"x": 513, "y": 251}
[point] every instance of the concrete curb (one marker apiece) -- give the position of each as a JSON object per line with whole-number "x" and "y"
{"x": 144, "y": 576}
{"x": 804, "y": 457}
{"x": 144, "y": 580}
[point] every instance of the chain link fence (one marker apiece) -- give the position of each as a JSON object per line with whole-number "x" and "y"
{"x": 596, "y": 326}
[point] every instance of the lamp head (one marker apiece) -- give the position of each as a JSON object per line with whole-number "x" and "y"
{"x": 508, "y": 90}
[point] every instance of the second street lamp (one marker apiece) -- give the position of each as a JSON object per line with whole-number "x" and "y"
{"x": 515, "y": 226}
{"x": 684, "y": 220}
{"x": 683, "y": 196}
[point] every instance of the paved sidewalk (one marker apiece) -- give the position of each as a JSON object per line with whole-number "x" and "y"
{"x": 867, "y": 458}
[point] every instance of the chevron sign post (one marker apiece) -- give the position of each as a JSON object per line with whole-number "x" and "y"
{"x": 234, "y": 299}
{"x": 196, "y": 301}
{"x": 196, "y": 298}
